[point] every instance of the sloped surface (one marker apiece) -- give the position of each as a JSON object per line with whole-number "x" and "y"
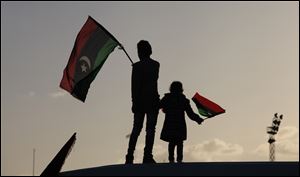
{"x": 193, "y": 169}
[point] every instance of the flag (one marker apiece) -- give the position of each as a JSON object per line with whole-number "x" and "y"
{"x": 206, "y": 107}
{"x": 92, "y": 46}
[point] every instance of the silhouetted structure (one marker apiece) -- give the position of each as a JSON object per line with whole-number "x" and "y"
{"x": 56, "y": 164}
{"x": 145, "y": 100}
{"x": 272, "y": 131}
{"x": 193, "y": 169}
{"x": 174, "y": 105}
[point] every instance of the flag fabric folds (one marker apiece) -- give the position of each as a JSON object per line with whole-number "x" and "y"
{"x": 206, "y": 107}
{"x": 92, "y": 47}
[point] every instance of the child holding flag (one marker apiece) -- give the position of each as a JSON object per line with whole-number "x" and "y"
{"x": 174, "y": 105}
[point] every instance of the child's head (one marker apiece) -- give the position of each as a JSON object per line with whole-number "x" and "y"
{"x": 176, "y": 87}
{"x": 144, "y": 49}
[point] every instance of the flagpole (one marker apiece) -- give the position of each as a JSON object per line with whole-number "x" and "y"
{"x": 33, "y": 162}
{"x": 122, "y": 48}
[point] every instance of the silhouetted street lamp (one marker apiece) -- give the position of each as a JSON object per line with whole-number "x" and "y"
{"x": 272, "y": 131}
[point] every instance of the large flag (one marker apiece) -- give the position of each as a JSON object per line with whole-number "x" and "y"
{"x": 206, "y": 107}
{"x": 92, "y": 46}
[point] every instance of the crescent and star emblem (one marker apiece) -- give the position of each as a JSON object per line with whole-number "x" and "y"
{"x": 85, "y": 68}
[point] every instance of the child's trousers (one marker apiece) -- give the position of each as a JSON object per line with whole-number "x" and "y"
{"x": 171, "y": 148}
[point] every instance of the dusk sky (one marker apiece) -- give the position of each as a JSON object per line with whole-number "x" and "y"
{"x": 242, "y": 55}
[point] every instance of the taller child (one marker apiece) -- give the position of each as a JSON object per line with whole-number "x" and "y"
{"x": 145, "y": 101}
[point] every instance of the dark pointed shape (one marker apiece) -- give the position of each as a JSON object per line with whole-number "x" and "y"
{"x": 56, "y": 164}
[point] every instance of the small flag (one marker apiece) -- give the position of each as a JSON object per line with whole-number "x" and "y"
{"x": 92, "y": 46}
{"x": 206, "y": 107}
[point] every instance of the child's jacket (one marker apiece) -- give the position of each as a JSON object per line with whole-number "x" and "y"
{"x": 174, "y": 105}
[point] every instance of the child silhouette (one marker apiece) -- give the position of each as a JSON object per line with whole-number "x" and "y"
{"x": 174, "y": 105}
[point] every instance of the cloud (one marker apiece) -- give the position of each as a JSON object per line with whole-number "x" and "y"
{"x": 57, "y": 94}
{"x": 261, "y": 149}
{"x": 286, "y": 145}
{"x": 287, "y": 148}
{"x": 214, "y": 150}
{"x": 31, "y": 94}
{"x": 287, "y": 132}
{"x": 288, "y": 142}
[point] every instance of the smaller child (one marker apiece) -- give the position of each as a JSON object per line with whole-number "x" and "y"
{"x": 174, "y": 105}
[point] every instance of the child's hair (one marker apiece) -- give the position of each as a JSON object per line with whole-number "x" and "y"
{"x": 176, "y": 87}
{"x": 144, "y": 48}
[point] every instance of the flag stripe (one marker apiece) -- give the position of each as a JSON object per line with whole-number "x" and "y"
{"x": 206, "y": 107}
{"x": 103, "y": 29}
{"x": 84, "y": 34}
{"x": 202, "y": 109}
{"x": 104, "y": 52}
{"x": 204, "y": 112}
{"x": 97, "y": 40}
{"x": 208, "y": 104}
{"x": 81, "y": 88}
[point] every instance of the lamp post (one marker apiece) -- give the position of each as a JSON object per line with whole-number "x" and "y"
{"x": 272, "y": 131}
